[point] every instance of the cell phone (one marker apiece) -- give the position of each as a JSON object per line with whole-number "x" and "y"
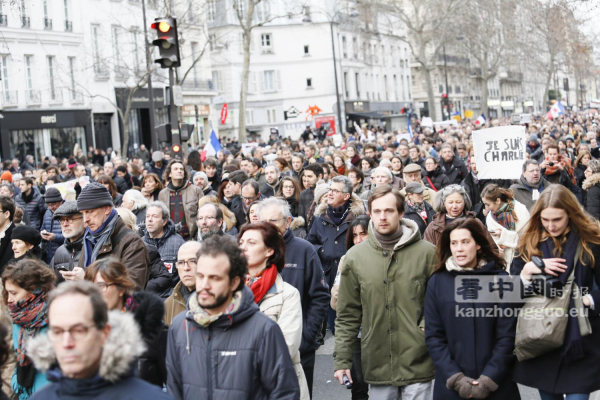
{"x": 44, "y": 232}
{"x": 62, "y": 268}
{"x": 347, "y": 382}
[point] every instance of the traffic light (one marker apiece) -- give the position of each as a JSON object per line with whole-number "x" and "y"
{"x": 163, "y": 132}
{"x": 167, "y": 42}
{"x": 186, "y": 131}
{"x": 176, "y": 141}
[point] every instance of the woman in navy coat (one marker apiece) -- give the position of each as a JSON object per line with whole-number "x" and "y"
{"x": 472, "y": 352}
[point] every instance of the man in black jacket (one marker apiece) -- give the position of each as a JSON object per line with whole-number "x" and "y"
{"x": 109, "y": 170}
{"x": 7, "y": 212}
{"x": 223, "y": 334}
{"x": 312, "y": 174}
{"x": 236, "y": 180}
{"x": 302, "y": 270}
{"x": 67, "y": 255}
{"x": 31, "y": 202}
{"x": 454, "y": 167}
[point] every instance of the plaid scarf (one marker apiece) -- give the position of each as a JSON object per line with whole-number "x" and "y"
{"x": 418, "y": 208}
{"x": 504, "y": 216}
{"x": 551, "y": 170}
{"x": 177, "y": 209}
{"x": 203, "y": 318}
{"x": 31, "y": 313}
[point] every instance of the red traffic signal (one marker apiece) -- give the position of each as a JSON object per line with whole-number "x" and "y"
{"x": 176, "y": 148}
{"x": 444, "y": 96}
{"x": 163, "y": 27}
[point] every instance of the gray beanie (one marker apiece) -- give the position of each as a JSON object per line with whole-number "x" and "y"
{"x": 320, "y": 189}
{"x": 94, "y": 195}
{"x": 67, "y": 209}
{"x": 203, "y": 175}
{"x": 52, "y": 195}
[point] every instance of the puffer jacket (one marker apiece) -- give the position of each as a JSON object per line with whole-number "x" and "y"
{"x": 329, "y": 240}
{"x": 67, "y": 255}
{"x": 190, "y": 194}
{"x": 51, "y": 225}
{"x": 35, "y": 208}
{"x": 384, "y": 292}
{"x": 246, "y": 344}
{"x": 282, "y": 304}
{"x": 116, "y": 379}
{"x": 168, "y": 245}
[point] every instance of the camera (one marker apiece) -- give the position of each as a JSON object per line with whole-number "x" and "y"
{"x": 544, "y": 283}
{"x": 551, "y": 164}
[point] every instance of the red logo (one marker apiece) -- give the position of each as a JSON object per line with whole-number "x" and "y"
{"x": 224, "y": 114}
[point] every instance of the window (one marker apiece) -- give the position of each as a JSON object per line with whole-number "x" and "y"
{"x": 377, "y": 85}
{"x": 375, "y": 54}
{"x": 457, "y": 89}
{"x": 249, "y": 117}
{"x": 385, "y": 91}
{"x": 262, "y": 11}
{"x": 355, "y": 47}
{"x": 23, "y": 8}
{"x": 217, "y": 83}
{"x": 5, "y": 79}
{"x": 357, "y": 83}
{"x": 66, "y": 4}
{"x": 346, "y": 91}
{"x": 266, "y": 42}
{"x": 136, "y": 49}
{"x": 45, "y": 6}
{"x": 211, "y": 10}
{"x": 212, "y": 41}
{"x": 116, "y": 49}
{"x": 241, "y": 6}
{"x": 252, "y": 83}
{"x": 95, "y": 46}
{"x": 194, "y": 47}
{"x": 268, "y": 81}
{"x": 306, "y": 50}
{"x": 28, "y": 75}
{"x": 72, "y": 77}
{"x": 51, "y": 77}
{"x": 396, "y": 88}
{"x": 271, "y": 116}
{"x": 344, "y": 47}
{"x": 309, "y": 83}
{"x": 441, "y": 89}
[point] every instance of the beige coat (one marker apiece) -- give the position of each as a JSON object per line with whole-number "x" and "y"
{"x": 282, "y": 304}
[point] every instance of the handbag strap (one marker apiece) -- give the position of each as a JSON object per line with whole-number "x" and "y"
{"x": 432, "y": 185}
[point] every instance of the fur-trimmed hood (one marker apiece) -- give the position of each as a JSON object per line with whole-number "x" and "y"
{"x": 591, "y": 181}
{"x": 122, "y": 348}
{"x": 297, "y": 222}
{"x": 356, "y": 206}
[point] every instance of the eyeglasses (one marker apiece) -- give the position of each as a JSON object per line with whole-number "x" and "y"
{"x": 249, "y": 198}
{"x": 192, "y": 263}
{"x": 103, "y": 286}
{"x": 77, "y": 332}
{"x": 69, "y": 220}
{"x": 288, "y": 187}
{"x": 335, "y": 191}
{"x": 201, "y": 219}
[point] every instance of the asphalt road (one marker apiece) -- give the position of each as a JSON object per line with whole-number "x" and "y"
{"x": 325, "y": 388}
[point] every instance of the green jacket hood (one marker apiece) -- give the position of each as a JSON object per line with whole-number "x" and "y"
{"x": 410, "y": 234}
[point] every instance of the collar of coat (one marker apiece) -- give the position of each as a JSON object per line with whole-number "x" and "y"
{"x": 356, "y": 207}
{"x": 410, "y": 234}
{"x": 591, "y": 181}
{"x": 122, "y": 348}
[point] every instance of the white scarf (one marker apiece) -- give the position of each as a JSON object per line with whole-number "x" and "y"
{"x": 451, "y": 265}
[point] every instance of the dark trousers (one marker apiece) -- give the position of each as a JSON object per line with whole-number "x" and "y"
{"x": 360, "y": 389}
{"x": 307, "y": 359}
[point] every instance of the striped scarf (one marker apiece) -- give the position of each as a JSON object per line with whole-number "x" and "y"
{"x": 31, "y": 313}
{"x": 504, "y": 216}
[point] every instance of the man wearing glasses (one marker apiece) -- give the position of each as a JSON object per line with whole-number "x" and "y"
{"x": 187, "y": 261}
{"x": 210, "y": 221}
{"x": 51, "y": 229}
{"x": 67, "y": 255}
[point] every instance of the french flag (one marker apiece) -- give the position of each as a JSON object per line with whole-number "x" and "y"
{"x": 556, "y": 110}
{"x": 212, "y": 147}
{"x": 480, "y": 121}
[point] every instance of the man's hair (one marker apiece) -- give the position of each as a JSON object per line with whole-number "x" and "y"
{"x": 163, "y": 208}
{"x": 359, "y": 174}
{"x": 381, "y": 191}
{"x": 298, "y": 155}
{"x": 273, "y": 166}
{"x": 238, "y": 176}
{"x": 210, "y": 162}
{"x": 383, "y": 169}
{"x": 370, "y": 146}
{"x": 257, "y": 163}
{"x": 186, "y": 172}
{"x": 89, "y": 290}
{"x": 218, "y": 211}
{"x": 8, "y": 204}
{"x": 9, "y": 186}
{"x": 344, "y": 180}
{"x": 446, "y": 146}
{"x": 461, "y": 146}
{"x": 253, "y": 183}
{"x": 529, "y": 162}
{"x": 274, "y": 202}
{"x": 316, "y": 168}
{"x": 53, "y": 167}
{"x": 553, "y": 146}
{"x": 216, "y": 245}
{"x": 28, "y": 180}
{"x": 138, "y": 199}
{"x": 121, "y": 168}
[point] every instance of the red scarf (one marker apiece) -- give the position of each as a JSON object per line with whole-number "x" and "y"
{"x": 265, "y": 281}
{"x": 342, "y": 170}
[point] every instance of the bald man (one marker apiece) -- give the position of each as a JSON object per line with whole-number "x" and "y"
{"x": 187, "y": 258}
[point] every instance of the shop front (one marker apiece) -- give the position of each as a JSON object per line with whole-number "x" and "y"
{"x": 42, "y": 133}
{"x": 197, "y": 115}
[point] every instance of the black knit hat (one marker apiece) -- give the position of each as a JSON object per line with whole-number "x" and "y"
{"x": 28, "y": 234}
{"x": 52, "y": 195}
{"x": 94, "y": 195}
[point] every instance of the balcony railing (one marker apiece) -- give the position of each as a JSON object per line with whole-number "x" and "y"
{"x": 3, "y": 20}
{"x": 101, "y": 71}
{"x": 33, "y": 96}
{"x": 75, "y": 97}
{"x": 198, "y": 85}
{"x": 10, "y": 98}
{"x": 25, "y": 22}
{"x": 55, "y": 96}
{"x": 68, "y": 26}
{"x": 47, "y": 24}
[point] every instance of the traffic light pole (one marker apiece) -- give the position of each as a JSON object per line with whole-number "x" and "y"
{"x": 153, "y": 136}
{"x": 173, "y": 117}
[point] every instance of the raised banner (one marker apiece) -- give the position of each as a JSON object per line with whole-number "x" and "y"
{"x": 500, "y": 152}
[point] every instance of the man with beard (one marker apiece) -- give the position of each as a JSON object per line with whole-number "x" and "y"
{"x": 210, "y": 221}
{"x": 272, "y": 173}
{"x": 454, "y": 168}
{"x": 531, "y": 184}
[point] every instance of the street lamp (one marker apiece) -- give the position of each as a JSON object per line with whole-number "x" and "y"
{"x": 308, "y": 19}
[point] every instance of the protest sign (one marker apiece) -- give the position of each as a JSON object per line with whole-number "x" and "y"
{"x": 247, "y": 148}
{"x": 500, "y": 152}
{"x": 67, "y": 189}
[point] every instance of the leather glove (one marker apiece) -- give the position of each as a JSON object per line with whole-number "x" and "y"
{"x": 484, "y": 388}
{"x": 461, "y": 384}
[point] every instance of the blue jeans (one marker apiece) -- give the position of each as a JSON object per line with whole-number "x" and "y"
{"x": 574, "y": 396}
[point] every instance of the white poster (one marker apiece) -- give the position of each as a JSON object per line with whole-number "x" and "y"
{"x": 247, "y": 148}
{"x": 500, "y": 152}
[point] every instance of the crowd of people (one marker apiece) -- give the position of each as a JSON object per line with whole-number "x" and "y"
{"x": 220, "y": 277}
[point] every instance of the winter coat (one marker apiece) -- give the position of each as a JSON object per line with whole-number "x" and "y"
{"x": 208, "y": 191}
{"x": 270, "y": 191}
{"x": 428, "y": 194}
{"x": 35, "y": 208}
{"x": 120, "y": 183}
{"x": 190, "y": 196}
{"x": 148, "y": 315}
{"x": 433, "y": 233}
{"x": 298, "y": 227}
{"x": 329, "y": 240}
{"x": 51, "y": 225}
{"x": 242, "y": 355}
{"x": 456, "y": 170}
{"x": 67, "y": 256}
{"x": 303, "y": 271}
{"x": 282, "y": 304}
{"x": 549, "y": 372}
{"x": 140, "y": 217}
{"x": 168, "y": 246}
{"x": 40, "y": 379}
{"x": 409, "y": 213}
{"x": 306, "y": 198}
{"x": 384, "y": 292}
{"x": 509, "y": 239}
{"x": 118, "y": 200}
{"x": 563, "y": 178}
{"x": 174, "y": 304}
{"x": 579, "y": 172}
{"x": 592, "y": 197}
{"x": 237, "y": 208}
{"x": 524, "y": 194}
{"x": 438, "y": 178}
{"x": 261, "y": 179}
{"x": 160, "y": 281}
{"x": 472, "y": 345}
{"x": 153, "y": 169}
{"x": 6, "y": 251}
{"x": 130, "y": 250}
{"x": 116, "y": 380}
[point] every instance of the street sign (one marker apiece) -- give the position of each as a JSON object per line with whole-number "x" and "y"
{"x": 177, "y": 95}
{"x": 293, "y": 112}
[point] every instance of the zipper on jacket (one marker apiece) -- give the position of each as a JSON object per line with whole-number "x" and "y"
{"x": 209, "y": 363}
{"x": 72, "y": 260}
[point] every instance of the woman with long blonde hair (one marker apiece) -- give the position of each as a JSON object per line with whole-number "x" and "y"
{"x": 555, "y": 230}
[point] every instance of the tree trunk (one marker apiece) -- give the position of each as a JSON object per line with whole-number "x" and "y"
{"x": 546, "y": 98}
{"x": 125, "y": 144}
{"x": 244, "y": 89}
{"x": 430, "y": 94}
{"x": 484, "y": 96}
